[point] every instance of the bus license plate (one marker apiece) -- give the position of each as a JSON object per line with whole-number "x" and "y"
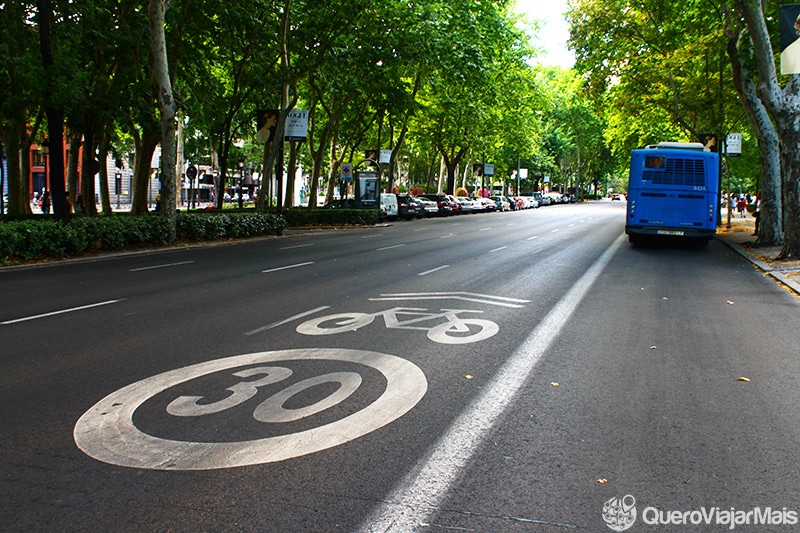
{"x": 670, "y": 232}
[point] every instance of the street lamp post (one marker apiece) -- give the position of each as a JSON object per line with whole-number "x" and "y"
{"x": 241, "y": 179}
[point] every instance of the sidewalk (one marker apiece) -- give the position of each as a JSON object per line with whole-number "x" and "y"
{"x": 741, "y": 239}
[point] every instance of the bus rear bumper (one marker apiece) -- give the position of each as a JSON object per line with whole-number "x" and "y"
{"x": 650, "y": 231}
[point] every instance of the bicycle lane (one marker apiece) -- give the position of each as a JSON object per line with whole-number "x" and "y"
{"x": 421, "y": 492}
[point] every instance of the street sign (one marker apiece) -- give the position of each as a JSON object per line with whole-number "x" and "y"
{"x": 346, "y": 172}
{"x": 191, "y": 172}
{"x": 488, "y": 169}
{"x": 733, "y": 144}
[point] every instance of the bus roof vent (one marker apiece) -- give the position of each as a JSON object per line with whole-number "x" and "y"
{"x": 676, "y": 146}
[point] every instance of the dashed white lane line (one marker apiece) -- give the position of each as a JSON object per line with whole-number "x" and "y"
{"x": 167, "y": 265}
{"x": 498, "y": 249}
{"x": 288, "y": 266}
{"x": 422, "y": 491}
{"x": 390, "y": 247}
{"x": 431, "y": 271}
{"x": 286, "y": 321}
{"x": 61, "y": 312}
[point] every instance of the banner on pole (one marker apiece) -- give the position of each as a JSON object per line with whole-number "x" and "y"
{"x": 790, "y": 39}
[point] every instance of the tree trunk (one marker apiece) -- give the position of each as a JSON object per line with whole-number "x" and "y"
{"x": 88, "y": 170}
{"x": 55, "y": 118}
{"x": 770, "y": 226}
{"x": 145, "y": 148}
{"x": 73, "y": 159}
{"x": 157, "y": 10}
{"x": 105, "y": 193}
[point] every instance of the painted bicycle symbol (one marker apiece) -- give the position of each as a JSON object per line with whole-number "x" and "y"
{"x": 444, "y": 326}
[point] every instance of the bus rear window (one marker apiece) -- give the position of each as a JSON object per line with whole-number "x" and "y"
{"x": 653, "y": 161}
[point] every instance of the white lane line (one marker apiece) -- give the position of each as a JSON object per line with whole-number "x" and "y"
{"x": 433, "y": 270}
{"x": 61, "y": 312}
{"x": 555, "y": 230}
{"x": 371, "y": 236}
{"x": 288, "y": 266}
{"x": 447, "y": 236}
{"x": 484, "y": 229}
{"x": 570, "y": 225}
{"x": 498, "y": 249}
{"x": 424, "y": 489}
{"x": 286, "y": 321}
{"x": 297, "y": 246}
{"x": 390, "y": 247}
{"x": 161, "y": 266}
{"x": 534, "y": 237}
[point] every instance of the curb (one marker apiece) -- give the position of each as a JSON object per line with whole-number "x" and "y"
{"x": 769, "y": 270}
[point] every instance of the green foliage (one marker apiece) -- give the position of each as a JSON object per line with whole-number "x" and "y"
{"x": 299, "y": 217}
{"x": 208, "y": 226}
{"x": 29, "y": 239}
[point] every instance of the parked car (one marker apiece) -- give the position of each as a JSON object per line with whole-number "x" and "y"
{"x": 487, "y": 205}
{"x": 429, "y": 207}
{"x": 529, "y": 202}
{"x": 409, "y": 207}
{"x": 502, "y": 203}
{"x": 442, "y": 203}
{"x": 454, "y": 205}
{"x": 389, "y": 206}
{"x": 542, "y": 199}
{"x": 345, "y": 203}
{"x": 616, "y": 197}
{"x": 465, "y": 205}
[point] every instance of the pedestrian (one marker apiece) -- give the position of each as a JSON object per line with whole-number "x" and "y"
{"x": 46, "y": 202}
{"x": 740, "y": 206}
{"x": 79, "y": 207}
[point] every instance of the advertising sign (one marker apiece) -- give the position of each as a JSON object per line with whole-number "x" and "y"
{"x": 790, "y": 39}
{"x": 296, "y": 125}
{"x": 368, "y": 189}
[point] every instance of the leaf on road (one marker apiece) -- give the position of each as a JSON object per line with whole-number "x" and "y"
{"x": 652, "y": 347}
{"x": 665, "y": 298}
{"x": 554, "y": 384}
{"x": 730, "y": 302}
{"x": 468, "y": 376}
{"x": 744, "y": 379}
{"x": 602, "y": 481}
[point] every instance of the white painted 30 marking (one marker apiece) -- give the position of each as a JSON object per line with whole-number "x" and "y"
{"x": 106, "y": 432}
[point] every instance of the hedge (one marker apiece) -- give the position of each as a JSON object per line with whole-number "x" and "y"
{"x": 38, "y": 238}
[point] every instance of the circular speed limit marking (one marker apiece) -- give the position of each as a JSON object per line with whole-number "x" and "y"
{"x": 106, "y": 431}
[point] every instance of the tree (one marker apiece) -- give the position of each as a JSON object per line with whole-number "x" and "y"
{"x": 157, "y": 10}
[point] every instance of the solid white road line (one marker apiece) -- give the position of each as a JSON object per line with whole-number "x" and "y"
{"x": 61, "y": 312}
{"x": 424, "y": 488}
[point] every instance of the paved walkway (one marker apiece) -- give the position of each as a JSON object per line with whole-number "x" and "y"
{"x": 741, "y": 239}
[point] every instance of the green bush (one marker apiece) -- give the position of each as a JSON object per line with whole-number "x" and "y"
{"x": 301, "y": 216}
{"x": 41, "y": 237}
{"x": 197, "y": 226}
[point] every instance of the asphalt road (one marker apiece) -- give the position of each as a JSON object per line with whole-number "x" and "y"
{"x": 498, "y": 372}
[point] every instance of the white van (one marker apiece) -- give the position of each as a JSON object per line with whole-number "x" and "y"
{"x": 389, "y": 205}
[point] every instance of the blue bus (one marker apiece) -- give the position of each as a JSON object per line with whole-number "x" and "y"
{"x": 673, "y": 191}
